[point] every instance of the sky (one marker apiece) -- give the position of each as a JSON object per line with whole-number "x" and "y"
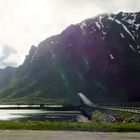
{"x": 24, "y": 23}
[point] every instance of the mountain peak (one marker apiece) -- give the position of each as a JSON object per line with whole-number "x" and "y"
{"x": 32, "y": 49}
{"x": 99, "y": 56}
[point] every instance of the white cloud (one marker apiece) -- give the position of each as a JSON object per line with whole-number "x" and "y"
{"x": 8, "y": 56}
{"x": 27, "y": 22}
{"x": 10, "y": 60}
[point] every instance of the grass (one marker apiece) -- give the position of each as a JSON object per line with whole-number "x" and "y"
{"x": 126, "y": 114}
{"x": 89, "y": 126}
{"x": 108, "y": 115}
{"x": 27, "y": 100}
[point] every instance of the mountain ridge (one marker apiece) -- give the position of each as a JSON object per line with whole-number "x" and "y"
{"x": 98, "y": 56}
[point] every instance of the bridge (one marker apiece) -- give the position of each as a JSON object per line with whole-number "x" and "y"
{"x": 87, "y": 102}
{"x": 87, "y": 106}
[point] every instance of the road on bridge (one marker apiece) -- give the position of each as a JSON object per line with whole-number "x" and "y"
{"x": 90, "y": 104}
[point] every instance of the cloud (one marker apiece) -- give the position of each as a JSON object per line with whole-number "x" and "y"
{"x": 24, "y": 23}
{"x": 8, "y": 56}
{"x": 7, "y": 50}
{"x": 117, "y": 5}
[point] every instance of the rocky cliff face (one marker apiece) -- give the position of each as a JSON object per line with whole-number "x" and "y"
{"x": 99, "y": 57}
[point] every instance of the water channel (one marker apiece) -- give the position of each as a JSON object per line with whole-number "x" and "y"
{"x": 9, "y": 113}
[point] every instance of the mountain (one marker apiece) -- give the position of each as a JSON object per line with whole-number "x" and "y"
{"x": 99, "y": 57}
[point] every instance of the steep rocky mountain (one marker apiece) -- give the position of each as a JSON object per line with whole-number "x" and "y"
{"x": 99, "y": 57}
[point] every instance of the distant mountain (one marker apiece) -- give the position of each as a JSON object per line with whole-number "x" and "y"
{"x": 99, "y": 57}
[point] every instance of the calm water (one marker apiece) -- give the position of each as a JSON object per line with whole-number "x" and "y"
{"x": 13, "y": 106}
{"x": 38, "y": 115}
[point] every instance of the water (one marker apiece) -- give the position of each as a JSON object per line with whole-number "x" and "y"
{"x": 23, "y": 106}
{"x": 38, "y": 115}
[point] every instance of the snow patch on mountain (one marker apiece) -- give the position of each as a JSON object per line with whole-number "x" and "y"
{"x": 122, "y": 35}
{"x": 34, "y": 55}
{"x": 124, "y": 27}
{"x": 98, "y": 25}
{"x": 131, "y": 47}
{"x": 100, "y": 18}
{"x": 111, "y": 56}
{"x": 83, "y": 25}
{"x": 137, "y": 26}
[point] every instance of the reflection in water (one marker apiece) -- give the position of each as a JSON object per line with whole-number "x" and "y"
{"x": 38, "y": 115}
{"x": 13, "y": 106}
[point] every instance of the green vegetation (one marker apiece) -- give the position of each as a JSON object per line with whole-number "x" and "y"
{"x": 101, "y": 115}
{"x": 89, "y": 126}
{"x": 98, "y": 116}
{"x": 126, "y": 114}
{"x": 26, "y": 100}
{"x": 113, "y": 116}
{"x": 120, "y": 104}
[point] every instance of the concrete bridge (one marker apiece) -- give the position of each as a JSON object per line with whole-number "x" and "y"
{"x": 87, "y": 106}
{"x": 87, "y": 102}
